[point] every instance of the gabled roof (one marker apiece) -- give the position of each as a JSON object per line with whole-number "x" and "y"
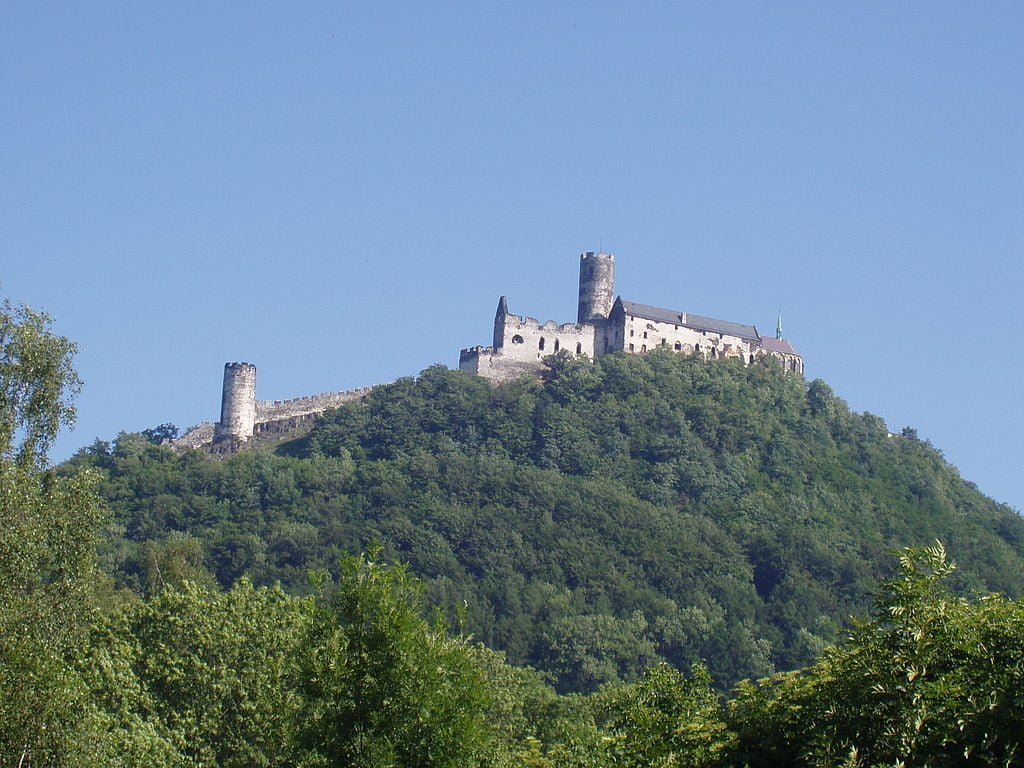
{"x": 697, "y": 322}
{"x": 778, "y": 345}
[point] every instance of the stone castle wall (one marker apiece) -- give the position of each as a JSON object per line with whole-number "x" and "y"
{"x": 639, "y": 335}
{"x": 276, "y": 410}
{"x": 527, "y": 339}
{"x": 269, "y": 416}
{"x": 197, "y": 437}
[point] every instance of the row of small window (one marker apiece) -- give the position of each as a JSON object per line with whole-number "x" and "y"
{"x": 702, "y": 333}
{"x": 517, "y": 339}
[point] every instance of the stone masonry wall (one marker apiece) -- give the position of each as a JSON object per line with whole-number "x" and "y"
{"x": 275, "y": 416}
{"x": 527, "y": 339}
{"x": 275, "y": 410}
{"x": 639, "y": 335}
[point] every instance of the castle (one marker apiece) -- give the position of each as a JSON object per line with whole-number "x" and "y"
{"x": 603, "y": 325}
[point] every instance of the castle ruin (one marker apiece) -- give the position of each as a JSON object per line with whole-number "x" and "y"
{"x": 242, "y": 416}
{"x": 604, "y": 324}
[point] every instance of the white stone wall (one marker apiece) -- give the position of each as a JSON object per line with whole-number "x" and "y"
{"x": 527, "y": 339}
{"x": 484, "y": 362}
{"x": 524, "y": 342}
{"x": 639, "y": 335}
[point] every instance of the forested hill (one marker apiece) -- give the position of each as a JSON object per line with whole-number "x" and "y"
{"x": 621, "y": 511}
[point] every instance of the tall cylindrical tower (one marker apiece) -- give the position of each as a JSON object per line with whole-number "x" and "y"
{"x": 597, "y": 286}
{"x": 238, "y": 402}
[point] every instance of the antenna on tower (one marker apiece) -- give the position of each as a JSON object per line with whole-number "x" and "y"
{"x": 600, "y": 245}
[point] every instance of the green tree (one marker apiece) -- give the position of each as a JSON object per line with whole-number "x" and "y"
{"x": 932, "y": 680}
{"x": 588, "y": 651}
{"x": 206, "y": 674}
{"x": 382, "y": 687}
{"x": 48, "y": 526}
{"x": 665, "y": 719}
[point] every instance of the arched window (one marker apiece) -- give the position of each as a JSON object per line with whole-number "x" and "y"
{"x": 751, "y": 358}
{"x": 579, "y": 348}
{"x": 714, "y": 352}
{"x": 517, "y": 339}
{"x": 678, "y": 346}
{"x": 556, "y": 345}
{"x": 540, "y": 345}
{"x": 643, "y": 347}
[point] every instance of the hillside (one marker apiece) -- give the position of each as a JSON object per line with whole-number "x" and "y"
{"x": 618, "y": 512}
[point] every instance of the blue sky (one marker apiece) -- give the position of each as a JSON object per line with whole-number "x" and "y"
{"x": 339, "y": 192}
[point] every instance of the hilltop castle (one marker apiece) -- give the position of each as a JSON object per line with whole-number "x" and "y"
{"x": 603, "y": 325}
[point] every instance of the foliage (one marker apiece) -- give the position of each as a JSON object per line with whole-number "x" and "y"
{"x": 205, "y": 677}
{"x": 666, "y": 719}
{"x": 48, "y": 526}
{"x": 160, "y": 434}
{"x": 692, "y": 509}
{"x": 933, "y": 680}
{"x": 37, "y": 384}
{"x": 381, "y": 687}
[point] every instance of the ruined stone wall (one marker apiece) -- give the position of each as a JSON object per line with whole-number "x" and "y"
{"x": 526, "y": 339}
{"x": 276, "y": 410}
{"x": 196, "y": 437}
{"x": 486, "y": 363}
{"x": 268, "y": 416}
{"x": 522, "y": 345}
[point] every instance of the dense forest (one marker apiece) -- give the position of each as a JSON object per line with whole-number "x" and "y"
{"x": 642, "y": 531}
{"x": 619, "y": 513}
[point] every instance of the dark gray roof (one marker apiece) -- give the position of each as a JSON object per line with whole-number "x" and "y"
{"x": 697, "y": 322}
{"x": 778, "y": 345}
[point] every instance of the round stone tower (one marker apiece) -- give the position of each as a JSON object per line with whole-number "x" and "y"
{"x": 238, "y": 402}
{"x": 597, "y": 286}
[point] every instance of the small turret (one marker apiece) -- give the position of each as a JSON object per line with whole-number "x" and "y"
{"x": 238, "y": 402}
{"x": 499, "y": 323}
{"x": 597, "y": 286}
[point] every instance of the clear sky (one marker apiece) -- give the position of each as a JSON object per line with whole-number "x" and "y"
{"x": 339, "y": 192}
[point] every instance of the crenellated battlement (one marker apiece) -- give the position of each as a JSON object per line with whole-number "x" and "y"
{"x": 533, "y": 324}
{"x": 259, "y": 416}
{"x": 271, "y": 410}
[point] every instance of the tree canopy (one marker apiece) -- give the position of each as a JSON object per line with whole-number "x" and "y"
{"x": 621, "y": 511}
